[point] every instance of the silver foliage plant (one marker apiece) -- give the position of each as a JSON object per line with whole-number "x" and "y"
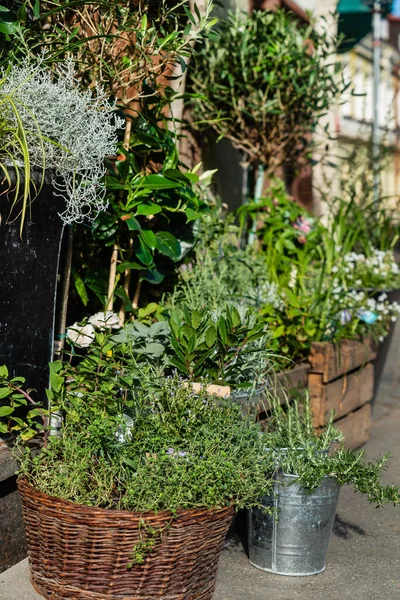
{"x": 69, "y": 133}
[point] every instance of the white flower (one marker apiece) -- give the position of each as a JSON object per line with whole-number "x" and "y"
{"x": 394, "y": 319}
{"x": 381, "y": 338}
{"x": 105, "y": 320}
{"x": 335, "y": 269}
{"x": 81, "y": 335}
{"x": 124, "y": 433}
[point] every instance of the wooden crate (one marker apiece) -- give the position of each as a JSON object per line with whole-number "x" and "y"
{"x": 343, "y": 395}
{"x": 333, "y": 360}
{"x": 286, "y": 385}
{"x": 342, "y": 380}
{"x": 356, "y": 426}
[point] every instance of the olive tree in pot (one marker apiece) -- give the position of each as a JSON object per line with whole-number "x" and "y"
{"x": 54, "y": 139}
{"x": 133, "y": 500}
{"x": 266, "y": 99}
{"x": 293, "y": 537}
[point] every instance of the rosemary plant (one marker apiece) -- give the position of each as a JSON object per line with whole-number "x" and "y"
{"x": 296, "y": 449}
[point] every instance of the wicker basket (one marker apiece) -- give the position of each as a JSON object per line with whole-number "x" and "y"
{"x": 79, "y": 552}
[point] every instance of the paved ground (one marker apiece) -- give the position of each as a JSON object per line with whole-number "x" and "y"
{"x": 364, "y": 556}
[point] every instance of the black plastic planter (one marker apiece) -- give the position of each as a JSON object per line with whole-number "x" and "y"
{"x": 28, "y": 283}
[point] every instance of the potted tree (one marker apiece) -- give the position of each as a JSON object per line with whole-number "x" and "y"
{"x": 266, "y": 100}
{"x": 135, "y": 495}
{"x": 309, "y": 470}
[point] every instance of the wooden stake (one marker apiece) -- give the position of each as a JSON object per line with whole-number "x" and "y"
{"x": 113, "y": 277}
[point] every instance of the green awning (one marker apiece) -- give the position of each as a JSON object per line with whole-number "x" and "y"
{"x": 355, "y": 21}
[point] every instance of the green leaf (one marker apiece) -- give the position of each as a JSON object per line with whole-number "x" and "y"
{"x": 56, "y": 380}
{"x": 133, "y": 224}
{"x": 5, "y": 411}
{"x": 148, "y": 310}
{"x": 148, "y": 209}
{"x": 128, "y": 265}
{"x": 222, "y": 330}
{"x": 279, "y": 331}
{"x": 149, "y": 238}
{"x": 179, "y": 365}
{"x": 143, "y": 254}
{"x": 157, "y": 182}
{"x": 175, "y": 329}
{"x": 211, "y": 336}
{"x": 152, "y": 276}
{"x": 196, "y": 319}
{"x": 8, "y": 28}
{"x": 3, "y": 371}
{"x": 121, "y": 293}
{"x": 4, "y": 392}
{"x": 155, "y": 349}
{"x": 191, "y": 214}
{"x": 80, "y": 287}
{"x": 168, "y": 245}
{"x": 235, "y": 316}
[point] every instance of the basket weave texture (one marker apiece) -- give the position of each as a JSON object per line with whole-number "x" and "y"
{"x": 80, "y": 552}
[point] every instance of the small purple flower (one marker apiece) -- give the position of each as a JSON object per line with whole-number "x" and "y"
{"x": 172, "y": 452}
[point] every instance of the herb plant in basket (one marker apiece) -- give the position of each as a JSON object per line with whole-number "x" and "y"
{"x": 309, "y": 472}
{"x": 134, "y": 508}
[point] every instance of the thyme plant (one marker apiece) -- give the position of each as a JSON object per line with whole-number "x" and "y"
{"x": 179, "y": 449}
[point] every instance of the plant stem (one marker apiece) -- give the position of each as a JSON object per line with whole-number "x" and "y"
{"x": 59, "y": 342}
{"x": 127, "y": 282}
{"x": 112, "y": 277}
{"x": 135, "y": 301}
{"x": 44, "y": 418}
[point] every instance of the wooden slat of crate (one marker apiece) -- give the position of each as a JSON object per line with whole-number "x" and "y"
{"x": 332, "y": 360}
{"x": 296, "y": 378}
{"x": 356, "y": 427}
{"x": 293, "y": 379}
{"x": 342, "y": 395}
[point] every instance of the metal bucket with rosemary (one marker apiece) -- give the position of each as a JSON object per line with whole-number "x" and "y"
{"x": 294, "y": 539}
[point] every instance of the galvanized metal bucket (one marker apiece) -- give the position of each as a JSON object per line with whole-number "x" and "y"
{"x": 294, "y": 540}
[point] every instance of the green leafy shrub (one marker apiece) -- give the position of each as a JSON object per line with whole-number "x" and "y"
{"x": 228, "y": 348}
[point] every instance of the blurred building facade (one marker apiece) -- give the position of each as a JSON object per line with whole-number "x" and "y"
{"x": 350, "y": 122}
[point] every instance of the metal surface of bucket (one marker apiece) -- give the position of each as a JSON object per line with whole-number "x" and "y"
{"x": 296, "y": 541}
